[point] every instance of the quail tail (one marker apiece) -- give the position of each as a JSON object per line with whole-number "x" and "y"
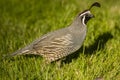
{"x": 20, "y": 52}
{"x": 25, "y": 50}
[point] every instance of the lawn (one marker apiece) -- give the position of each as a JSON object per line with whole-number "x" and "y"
{"x": 22, "y": 21}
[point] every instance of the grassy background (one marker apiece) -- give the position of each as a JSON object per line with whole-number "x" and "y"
{"x": 22, "y": 21}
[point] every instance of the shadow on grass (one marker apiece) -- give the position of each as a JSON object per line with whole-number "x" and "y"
{"x": 96, "y": 46}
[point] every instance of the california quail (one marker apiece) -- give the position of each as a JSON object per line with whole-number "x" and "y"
{"x": 60, "y": 43}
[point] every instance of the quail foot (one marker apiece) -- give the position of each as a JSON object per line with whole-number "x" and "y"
{"x": 60, "y": 43}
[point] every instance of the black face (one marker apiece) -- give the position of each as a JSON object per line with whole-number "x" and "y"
{"x": 86, "y": 16}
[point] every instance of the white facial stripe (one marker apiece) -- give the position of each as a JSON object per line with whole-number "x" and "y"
{"x": 85, "y": 13}
{"x": 83, "y": 20}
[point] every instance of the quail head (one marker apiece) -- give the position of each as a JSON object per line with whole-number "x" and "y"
{"x": 60, "y": 43}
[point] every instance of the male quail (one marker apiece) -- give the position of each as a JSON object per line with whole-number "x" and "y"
{"x": 60, "y": 43}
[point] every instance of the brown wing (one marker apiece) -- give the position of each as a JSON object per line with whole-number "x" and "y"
{"x": 54, "y": 48}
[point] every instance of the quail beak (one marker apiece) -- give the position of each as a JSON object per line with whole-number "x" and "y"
{"x": 92, "y": 16}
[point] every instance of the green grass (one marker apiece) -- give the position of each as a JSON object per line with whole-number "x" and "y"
{"x": 22, "y": 21}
